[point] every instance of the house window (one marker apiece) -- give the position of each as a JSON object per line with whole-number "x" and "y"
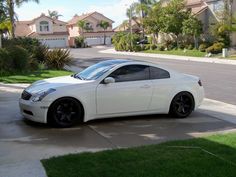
{"x": 44, "y": 26}
{"x": 89, "y": 27}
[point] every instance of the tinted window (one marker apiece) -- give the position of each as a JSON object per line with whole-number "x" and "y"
{"x": 157, "y": 73}
{"x": 131, "y": 73}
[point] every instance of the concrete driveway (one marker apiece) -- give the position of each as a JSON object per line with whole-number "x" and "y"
{"x": 22, "y": 140}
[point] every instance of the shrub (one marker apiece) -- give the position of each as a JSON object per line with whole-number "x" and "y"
{"x": 21, "y": 58}
{"x": 58, "y": 58}
{"x": 40, "y": 52}
{"x": 161, "y": 48}
{"x": 203, "y": 47}
{"x": 137, "y": 48}
{"x": 6, "y": 62}
{"x": 190, "y": 47}
{"x": 122, "y": 41}
{"x": 79, "y": 42}
{"x": 181, "y": 46}
{"x": 32, "y": 45}
{"x": 215, "y": 48}
{"x": 153, "y": 46}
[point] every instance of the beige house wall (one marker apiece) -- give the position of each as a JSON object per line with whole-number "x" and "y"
{"x": 38, "y": 25}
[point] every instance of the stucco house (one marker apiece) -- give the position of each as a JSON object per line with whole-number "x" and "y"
{"x": 205, "y": 10}
{"x": 49, "y": 31}
{"x": 95, "y": 34}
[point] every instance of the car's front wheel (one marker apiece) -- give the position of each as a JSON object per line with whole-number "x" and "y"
{"x": 65, "y": 112}
{"x": 182, "y": 105}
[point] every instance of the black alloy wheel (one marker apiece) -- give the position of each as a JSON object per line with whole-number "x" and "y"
{"x": 182, "y": 105}
{"x": 65, "y": 112}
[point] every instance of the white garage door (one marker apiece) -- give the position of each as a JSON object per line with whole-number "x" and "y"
{"x": 97, "y": 41}
{"x": 54, "y": 42}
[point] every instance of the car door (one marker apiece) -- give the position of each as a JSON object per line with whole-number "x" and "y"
{"x": 162, "y": 89}
{"x": 131, "y": 91}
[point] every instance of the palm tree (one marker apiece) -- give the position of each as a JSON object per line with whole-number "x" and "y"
{"x": 140, "y": 10}
{"x": 4, "y": 23}
{"x": 125, "y": 24}
{"x": 82, "y": 26}
{"x": 104, "y": 25}
{"x": 11, "y": 11}
{"x": 54, "y": 14}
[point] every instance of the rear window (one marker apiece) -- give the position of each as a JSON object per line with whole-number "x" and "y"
{"x": 158, "y": 73}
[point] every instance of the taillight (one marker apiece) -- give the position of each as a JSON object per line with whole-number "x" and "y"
{"x": 200, "y": 82}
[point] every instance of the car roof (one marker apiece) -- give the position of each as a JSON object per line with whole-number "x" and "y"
{"x": 118, "y": 62}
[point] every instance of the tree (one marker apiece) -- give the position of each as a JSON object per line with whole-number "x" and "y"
{"x": 54, "y": 14}
{"x": 4, "y": 23}
{"x": 82, "y": 26}
{"x": 104, "y": 25}
{"x": 192, "y": 26}
{"x": 125, "y": 24}
{"x": 152, "y": 21}
{"x": 172, "y": 17}
{"x": 11, "y": 11}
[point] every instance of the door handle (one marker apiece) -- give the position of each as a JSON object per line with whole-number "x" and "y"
{"x": 145, "y": 86}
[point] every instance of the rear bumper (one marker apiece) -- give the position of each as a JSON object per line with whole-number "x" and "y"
{"x": 34, "y": 111}
{"x": 200, "y": 97}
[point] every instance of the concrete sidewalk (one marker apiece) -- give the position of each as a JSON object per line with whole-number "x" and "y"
{"x": 171, "y": 57}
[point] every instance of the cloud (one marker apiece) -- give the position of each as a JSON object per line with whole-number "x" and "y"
{"x": 115, "y": 11}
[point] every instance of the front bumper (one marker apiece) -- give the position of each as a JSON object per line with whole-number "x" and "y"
{"x": 35, "y": 111}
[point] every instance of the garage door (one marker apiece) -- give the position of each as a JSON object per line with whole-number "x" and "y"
{"x": 97, "y": 41}
{"x": 54, "y": 42}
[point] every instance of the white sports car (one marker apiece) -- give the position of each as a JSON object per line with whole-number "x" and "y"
{"x": 112, "y": 88}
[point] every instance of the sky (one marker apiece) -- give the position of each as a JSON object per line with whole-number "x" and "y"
{"x": 113, "y": 9}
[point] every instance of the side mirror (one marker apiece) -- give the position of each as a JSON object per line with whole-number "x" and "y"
{"x": 109, "y": 80}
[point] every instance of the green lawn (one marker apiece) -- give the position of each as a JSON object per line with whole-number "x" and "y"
{"x": 192, "y": 53}
{"x": 33, "y": 76}
{"x": 214, "y": 156}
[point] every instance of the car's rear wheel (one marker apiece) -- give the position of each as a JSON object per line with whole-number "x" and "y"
{"x": 182, "y": 105}
{"x": 65, "y": 112}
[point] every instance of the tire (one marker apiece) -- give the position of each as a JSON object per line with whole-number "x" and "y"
{"x": 65, "y": 112}
{"x": 182, "y": 105}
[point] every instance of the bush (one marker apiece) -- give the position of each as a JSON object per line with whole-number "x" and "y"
{"x": 181, "y": 46}
{"x": 32, "y": 45}
{"x": 203, "y": 47}
{"x": 58, "y": 58}
{"x": 215, "y": 48}
{"x": 190, "y": 47}
{"x": 6, "y": 62}
{"x": 153, "y": 46}
{"x": 40, "y": 53}
{"x": 137, "y": 48}
{"x": 21, "y": 58}
{"x": 161, "y": 48}
{"x": 79, "y": 42}
{"x": 122, "y": 41}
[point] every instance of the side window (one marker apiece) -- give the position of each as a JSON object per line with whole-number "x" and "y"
{"x": 131, "y": 73}
{"x": 158, "y": 73}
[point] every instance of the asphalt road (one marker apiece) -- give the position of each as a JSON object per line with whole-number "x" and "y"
{"x": 219, "y": 80}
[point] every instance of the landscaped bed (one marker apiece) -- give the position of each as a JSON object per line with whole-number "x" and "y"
{"x": 192, "y": 53}
{"x": 30, "y": 77}
{"x": 214, "y": 156}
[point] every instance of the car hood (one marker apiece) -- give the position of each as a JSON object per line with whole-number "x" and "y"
{"x": 54, "y": 83}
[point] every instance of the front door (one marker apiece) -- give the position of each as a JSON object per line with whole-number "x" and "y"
{"x": 131, "y": 91}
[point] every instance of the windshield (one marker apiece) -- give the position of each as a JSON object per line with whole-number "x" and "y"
{"x": 95, "y": 71}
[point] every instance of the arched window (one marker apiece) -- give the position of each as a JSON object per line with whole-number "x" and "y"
{"x": 44, "y": 26}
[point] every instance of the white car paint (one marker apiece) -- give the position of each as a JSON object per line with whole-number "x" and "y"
{"x": 114, "y": 99}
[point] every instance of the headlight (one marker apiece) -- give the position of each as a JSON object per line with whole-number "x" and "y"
{"x": 40, "y": 95}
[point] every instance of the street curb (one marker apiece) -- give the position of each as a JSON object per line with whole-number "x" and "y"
{"x": 171, "y": 57}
